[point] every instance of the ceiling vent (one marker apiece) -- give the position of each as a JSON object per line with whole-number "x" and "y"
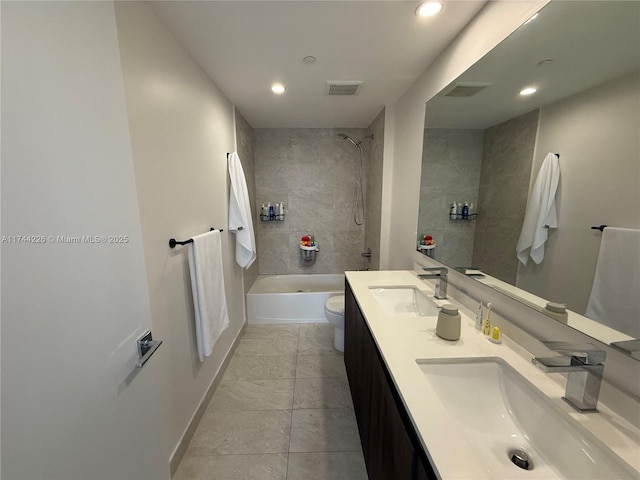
{"x": 343, "y": 87}
{"x": 466, "y": 89}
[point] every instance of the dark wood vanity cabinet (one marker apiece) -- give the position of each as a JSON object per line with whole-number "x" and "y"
{"x": 389, "y": 443}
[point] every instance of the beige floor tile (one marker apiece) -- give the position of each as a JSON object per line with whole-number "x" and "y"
{"x": 316, "y": 330}
{"x": 326, "y": 466}
{"x": 233, "y": 467}
{"x": 253, "y": 346}
{"x": 322, "y": 430}
{"x": 240, "y": 394}
{"x": 316, "y": 346}
{"x": 321, "y": 366}
{"x": 261, "y": 368}
{"x": 270, "y": 331}
{"x": 322, "y": 393}
{"x": 243, "y": 432}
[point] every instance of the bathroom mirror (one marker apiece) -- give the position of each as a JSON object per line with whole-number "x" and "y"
{"x": 484, "y": 144}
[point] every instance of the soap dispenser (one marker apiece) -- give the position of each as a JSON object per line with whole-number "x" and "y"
{"x": 448, "y": 326}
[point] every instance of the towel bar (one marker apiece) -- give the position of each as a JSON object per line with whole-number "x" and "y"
{"x": 173, "y": 242}
{"x": 601, "y": 227}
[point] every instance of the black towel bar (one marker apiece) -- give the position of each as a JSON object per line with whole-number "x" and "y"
{"x": 601, "y": 227}
{"x": 173, "y": 242}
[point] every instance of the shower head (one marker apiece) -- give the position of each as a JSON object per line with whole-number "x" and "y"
{"x": 347, "y": 137}
{"x": 355, "y": 143}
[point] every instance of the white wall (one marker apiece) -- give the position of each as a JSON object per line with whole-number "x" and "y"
{"x": 599, "y": 183}
{"x": 405, "y": 121}
{"x": 73, "y": 404}
{"x": 181, "y": 130}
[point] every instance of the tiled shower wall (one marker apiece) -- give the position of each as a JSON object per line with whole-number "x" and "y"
{"x": 504, "y": 185}
{"x": 374, "y": 150}
{"x": 315, "y": 173}
{"x": 244, "y": 140}
{"x": 451, "y": 161}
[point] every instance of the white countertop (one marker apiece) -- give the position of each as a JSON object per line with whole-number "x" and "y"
{"x": 402, "y": 340}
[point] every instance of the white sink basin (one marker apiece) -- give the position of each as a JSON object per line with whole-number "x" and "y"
{"x": 499, "y": 410}
{"x": 404, "y": 300}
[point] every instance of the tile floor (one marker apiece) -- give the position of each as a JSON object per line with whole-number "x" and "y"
{"x": 282, "y": 411}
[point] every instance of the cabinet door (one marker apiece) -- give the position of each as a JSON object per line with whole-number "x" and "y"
{"x": 358, "y": 371}
{"x": 391, "y": 452}
{"x": 423, "y": 470}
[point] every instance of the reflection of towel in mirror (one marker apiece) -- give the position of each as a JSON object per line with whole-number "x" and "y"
{"x": 615, "y": 296}
{"x": 240, "y": 222}
{"x": 207, "y": 285}
{"x": 541, "y": 212}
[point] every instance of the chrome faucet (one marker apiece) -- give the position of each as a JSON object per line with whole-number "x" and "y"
{"x": 584, "y": 365}
{"x": 440, "y": 291}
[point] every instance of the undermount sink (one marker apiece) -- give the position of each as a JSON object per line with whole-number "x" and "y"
{"x": 404, "y": 300}
{"x": 504, "y": 416}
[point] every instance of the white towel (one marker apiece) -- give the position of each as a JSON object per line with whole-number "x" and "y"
{"x": 541, "y": 212}
{"x": 615, "y": 295}
{"x": 207, "y": 285}
{"x": 240, "y": 214}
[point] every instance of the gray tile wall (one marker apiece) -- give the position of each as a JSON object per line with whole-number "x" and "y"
{"x": 374, "y": 150}
{"x": 314, "y": 172}
{"x": 504, "y": 186}
{"x": 451, "y": 161}
{"x": 244, "y": 140}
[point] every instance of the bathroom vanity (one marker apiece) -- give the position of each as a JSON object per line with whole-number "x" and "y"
{"x": 431, "y": 408}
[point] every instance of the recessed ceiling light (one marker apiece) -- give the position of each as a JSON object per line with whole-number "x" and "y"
{"x": 528, "y": 91}
{"x": 277, "y": 88}
{"x": 309, "y": 59}
{"x": 429, "y": 8}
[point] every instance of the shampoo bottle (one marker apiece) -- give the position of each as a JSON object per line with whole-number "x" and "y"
{"x": 453, "y": 211}
{"x": 465, "y": 211}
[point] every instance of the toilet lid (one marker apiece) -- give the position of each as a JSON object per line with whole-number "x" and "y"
{"x": 335, "y": 304}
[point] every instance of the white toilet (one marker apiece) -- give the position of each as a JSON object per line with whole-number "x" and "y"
{"x": 334, "y": 313}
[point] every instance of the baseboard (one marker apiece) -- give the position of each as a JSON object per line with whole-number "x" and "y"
{"x": 178, "y": 453}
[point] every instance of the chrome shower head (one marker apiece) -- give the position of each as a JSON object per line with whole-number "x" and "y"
{"x": 355, "y": 143}
{"x": 347, "y": 137}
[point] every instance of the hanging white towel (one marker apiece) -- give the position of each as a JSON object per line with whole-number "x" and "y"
{"x": 240, "y": 214}
{"x": 541, "y": 212}
{"x": 207, "y": 285}
{"x": 615, "y": 295}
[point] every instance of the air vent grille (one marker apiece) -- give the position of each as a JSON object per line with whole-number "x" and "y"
{"x": 343, "y": 87}
{"x": 466, "y": 89}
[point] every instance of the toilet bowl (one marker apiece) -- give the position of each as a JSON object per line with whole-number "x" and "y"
{"x": 334, "y": 313}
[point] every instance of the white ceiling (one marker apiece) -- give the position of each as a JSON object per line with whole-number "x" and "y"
{"x": 245, "y": 46}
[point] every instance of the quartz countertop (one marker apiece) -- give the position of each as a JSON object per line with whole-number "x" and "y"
{"x": 403, "y": 339}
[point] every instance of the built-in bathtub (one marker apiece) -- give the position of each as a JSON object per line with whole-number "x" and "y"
{"x": 291, "y": 298}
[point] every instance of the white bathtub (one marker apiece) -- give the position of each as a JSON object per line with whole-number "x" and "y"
{"x": 291, "y": 298}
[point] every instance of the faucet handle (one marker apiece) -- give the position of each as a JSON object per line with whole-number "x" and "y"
{"x": 591, "y": 354}
{"x": 442, "y": 270}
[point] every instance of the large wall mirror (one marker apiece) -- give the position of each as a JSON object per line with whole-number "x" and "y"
{"x": 485, "y": 143}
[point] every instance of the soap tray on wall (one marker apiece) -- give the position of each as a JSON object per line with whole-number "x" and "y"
{"x": 308, "y": 254}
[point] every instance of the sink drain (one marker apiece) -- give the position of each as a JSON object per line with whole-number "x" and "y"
{"x": 521, "y": 459}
